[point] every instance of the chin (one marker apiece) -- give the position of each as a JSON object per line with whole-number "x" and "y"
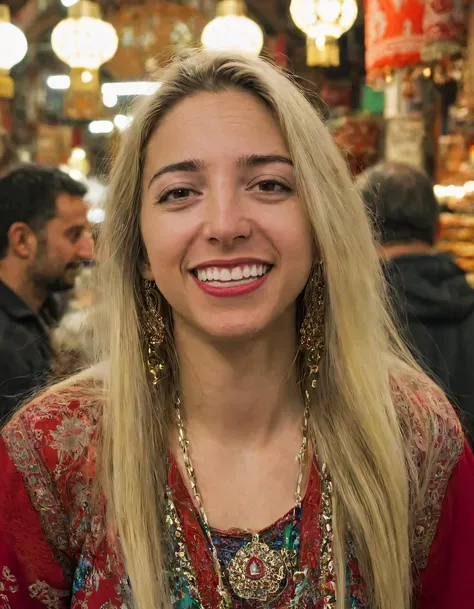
{"x": 235, "y": 326}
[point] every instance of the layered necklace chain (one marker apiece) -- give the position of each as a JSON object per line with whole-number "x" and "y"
{"x": 256, "y": 573}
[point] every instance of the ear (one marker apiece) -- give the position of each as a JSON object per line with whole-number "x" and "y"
{"x": 23, "y": 241}
{"x": 144, "y": 269}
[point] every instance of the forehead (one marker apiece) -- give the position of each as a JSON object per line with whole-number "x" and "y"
{"x": 215, "y": 126}
{"x": 71, "y": 210}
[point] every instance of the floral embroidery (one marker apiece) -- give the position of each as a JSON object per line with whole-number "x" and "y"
{"x": 52, "y": 447}
{"x": 40, "y": 490}
{"x": 430, "y": 423}
{"x": 8, "y": 584}
{"x": 51, "y": 598}
{"x": 71, "y": 437}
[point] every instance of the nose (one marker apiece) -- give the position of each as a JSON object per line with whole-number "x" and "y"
{"x": 226, "y": 220}
{"x": 85, "y": 246}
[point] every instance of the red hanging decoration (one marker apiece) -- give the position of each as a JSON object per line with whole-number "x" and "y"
{"x": 444, "y": 27}
{"x": 393, "y": 34}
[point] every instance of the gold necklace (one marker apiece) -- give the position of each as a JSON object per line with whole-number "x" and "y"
{"x": 256, "y": 572}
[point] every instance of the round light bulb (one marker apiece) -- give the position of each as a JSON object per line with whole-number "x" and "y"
{"x": 328, "y": 18}
{"x": 233, "y": 33}
{"x": 78, "y": 154}
{"x": 13, "y": 45}
{"x": 87, "y": 77}
{"x": 110, "y": 99}
{"x": 87, "y": 42}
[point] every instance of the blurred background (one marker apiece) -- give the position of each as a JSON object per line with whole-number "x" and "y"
{"x": 393, "y": 78}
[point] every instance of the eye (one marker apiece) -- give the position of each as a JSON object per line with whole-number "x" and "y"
{"x": 272, "y": 186}
{"x": 176, "y": 194}
{"x": 75, "y": 235}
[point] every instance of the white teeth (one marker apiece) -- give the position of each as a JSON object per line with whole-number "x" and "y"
{"x": 237, "y": 274}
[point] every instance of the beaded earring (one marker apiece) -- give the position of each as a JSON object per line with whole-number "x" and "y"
{"x": 154, "y": 329}
{"x": 312, "y": 332}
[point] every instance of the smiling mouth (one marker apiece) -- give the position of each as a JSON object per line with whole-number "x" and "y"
{"x": 227, "y": 277}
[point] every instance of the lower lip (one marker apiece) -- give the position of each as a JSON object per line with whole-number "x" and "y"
{"x": 238, "y": 290}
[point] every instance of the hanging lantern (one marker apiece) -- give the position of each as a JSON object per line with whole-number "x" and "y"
{"x": 393, "y": 35}
{"x": 323, "y": 22}
{"x": 232, "y": 30}
{"x": 444, "y": 24}
{"x": 13, "y": 47}
{"x": 84, "y": 42}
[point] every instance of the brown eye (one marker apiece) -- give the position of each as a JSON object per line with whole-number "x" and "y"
{"x": 175, "y": 194}
{"x": 273, "y": 186}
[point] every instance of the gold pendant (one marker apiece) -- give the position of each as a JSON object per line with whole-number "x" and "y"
{"x": 257, "y": 573}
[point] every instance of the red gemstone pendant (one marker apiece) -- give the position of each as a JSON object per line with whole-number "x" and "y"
{"x": 257, "y": 573}
{"x": 255, "y": 568}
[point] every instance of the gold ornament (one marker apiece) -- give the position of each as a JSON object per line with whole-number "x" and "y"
{"x": 323, "y": 22}
{"x": 312, "y": 332}
{"x": 154, "y": 329}
{"x": 256, "y": 572}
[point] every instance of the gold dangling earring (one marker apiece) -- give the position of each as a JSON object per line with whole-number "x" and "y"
{"x": 154, "y": 329}
{"x": 312, "y": 332}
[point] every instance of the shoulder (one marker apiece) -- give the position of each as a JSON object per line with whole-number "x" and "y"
{"x": 435, "y": 440}
{"x": 428, "y": 420}
{"x": 54, "y": 434}
{"x": 12, "y": 333}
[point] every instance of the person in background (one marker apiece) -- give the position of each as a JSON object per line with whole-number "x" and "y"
{"x": 434, "y": 302}
{"x": 43, "y": 240}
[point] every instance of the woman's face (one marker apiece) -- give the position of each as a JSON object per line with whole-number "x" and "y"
{"x": 228, "y": 241}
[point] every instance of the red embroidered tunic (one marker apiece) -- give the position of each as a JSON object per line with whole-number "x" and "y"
{"x": 53, "y": 553}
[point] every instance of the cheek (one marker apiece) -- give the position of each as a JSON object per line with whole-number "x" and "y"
{"x": 295, "y": 240}
{"x": 166, "y": 241}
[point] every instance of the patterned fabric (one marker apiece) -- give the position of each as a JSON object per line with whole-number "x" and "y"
{"x": 400, "y": 33}
{"x": 444, "y": 25}
{"x": 307, "y": 595}
{"x": 393, "y": 33}
{"x": 55, "y": 553}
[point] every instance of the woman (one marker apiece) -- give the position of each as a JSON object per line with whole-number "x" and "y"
{"x": 243, "y": 325}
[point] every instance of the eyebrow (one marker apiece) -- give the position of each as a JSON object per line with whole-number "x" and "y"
{"x": 75, "y": 227}
{"x": 192, "y": 165}
{"x": 195, "y": 165}
{"x": 256, "y": 160}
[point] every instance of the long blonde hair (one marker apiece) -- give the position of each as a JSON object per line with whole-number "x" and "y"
{"x": 354, "y": 423}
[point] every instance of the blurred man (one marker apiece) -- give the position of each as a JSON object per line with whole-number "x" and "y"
{"x": 434, "y": 302}
{"x": 43, "y": 240}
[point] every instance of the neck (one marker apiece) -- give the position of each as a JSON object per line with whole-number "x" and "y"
{"x": 387, "y": 251}
{"x": 243, "y": 391}
{"x": 23, "y": 287}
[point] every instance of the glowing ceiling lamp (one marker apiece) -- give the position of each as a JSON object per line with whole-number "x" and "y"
{"x": 232, "y": 30}
{"x": 13, "y": 47}
{"x": 323, "y": 22}
{"x": 84, "y": 42}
